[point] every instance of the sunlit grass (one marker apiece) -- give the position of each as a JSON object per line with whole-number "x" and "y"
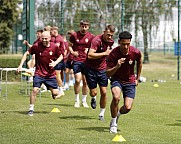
{"x": 154, "y": 119}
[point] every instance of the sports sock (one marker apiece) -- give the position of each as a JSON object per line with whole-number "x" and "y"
{"x": 84, "y": 98}
{"x": 77, "y": 97}
{"x": 44, "y": 87}
{"x": 113, "y": 123}
{"x": 118, "y": 114}
{"x": 94, "y": 97}
{"x": 60, "y": 89}
{"x": 67, "y": 84}
{"x": 31, "y": 107}
{"x": 102, "y": 111}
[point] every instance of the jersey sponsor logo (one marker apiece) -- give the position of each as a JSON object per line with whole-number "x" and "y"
{"x": 130, "y": 62}
{"x": 50, "y": 52}
{"x": 86, "y": 40}
{"x": 77, "y": 40}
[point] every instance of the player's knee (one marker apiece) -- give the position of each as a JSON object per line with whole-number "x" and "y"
{"x": 35, "y": 91}
{"x": 128, "y": 107}
{"x": 116, "y": 100}
{"x": 93, "y": 93}
{"x": 77, "y": 82}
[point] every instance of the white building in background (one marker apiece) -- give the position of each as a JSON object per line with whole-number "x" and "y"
{"x": 167, "y": 33}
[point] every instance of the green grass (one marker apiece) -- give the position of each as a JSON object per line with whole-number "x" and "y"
{"x": 154, "y": 119}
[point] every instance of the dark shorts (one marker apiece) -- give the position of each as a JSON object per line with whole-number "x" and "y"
{"x": 60, "y": 66}
{"x": 78, "y": 67}
{"x": 69, "y": 64}
{"x": 49, "y": 82}
{"x": 129, "y": 90}
{"x": 94, "y": 77}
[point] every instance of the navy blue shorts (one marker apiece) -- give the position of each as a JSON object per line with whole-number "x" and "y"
{"x": 49, "y": 82}
{"x": 94, "y": 77}
{"x": 69, "y": 64}
{"x": 60, "y": 66}
{"x": 78, "y": 67}
{"x": 128, "y": 90}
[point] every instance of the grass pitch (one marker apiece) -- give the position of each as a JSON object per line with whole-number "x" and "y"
{"x": 154, "y": 119}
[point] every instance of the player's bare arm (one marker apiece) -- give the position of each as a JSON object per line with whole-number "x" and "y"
{"x": 27, "y": 43}
{"x": 93, "y": 55}
{"x": 139, "y": 68}
{"x": 54, "y": 63}
{"x": 26, "y": 54}
{"x": 75, "y": 53}
{"x": 111, "y": 71}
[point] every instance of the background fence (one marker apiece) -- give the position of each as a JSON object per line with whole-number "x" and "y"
{"x": 161, "y": 18}
{"x": 153, "y": 24}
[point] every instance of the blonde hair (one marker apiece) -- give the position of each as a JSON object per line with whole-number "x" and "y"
{"x": 47, "y": 28}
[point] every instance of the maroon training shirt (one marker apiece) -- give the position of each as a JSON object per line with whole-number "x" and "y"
{"x": 99, "y": 45}
{"x": 43, "y": 56}
{"x": 80, "y": 43}
{"x": 124, "y": 74}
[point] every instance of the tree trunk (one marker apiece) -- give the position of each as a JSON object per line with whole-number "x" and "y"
{"x": 145, "y": 40}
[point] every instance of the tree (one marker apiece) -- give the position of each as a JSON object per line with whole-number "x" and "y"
{"x": 147, "y": 15}
{"x": 8, "y": 17}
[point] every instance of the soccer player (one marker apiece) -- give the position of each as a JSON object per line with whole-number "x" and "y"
{"x": 59, "y": 68}
{"x": 120, "y": 67}
{"x": 45, "y": 52}
{"x": 79, "y": 43}
{"x": 31, "y": 62}
{"x": 95, "y": 70}
{"x": 68, "y": 63}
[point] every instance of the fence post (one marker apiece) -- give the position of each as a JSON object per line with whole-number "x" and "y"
{"x": 122, "y": 16}
{"x": 178, "y": 46}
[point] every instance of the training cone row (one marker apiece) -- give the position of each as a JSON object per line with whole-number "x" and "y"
{"x": 55, "y": 110}
{"x": 118, "y": 138}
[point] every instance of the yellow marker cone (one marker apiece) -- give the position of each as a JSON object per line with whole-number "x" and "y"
{"x": 156, "y": 85}
{"x": 26, "y": 74}
{"x": 118, "y": 138}
{"x": 55, "y": 110}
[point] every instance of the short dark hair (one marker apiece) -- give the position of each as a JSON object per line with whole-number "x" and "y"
{"x": 125, "y": 35}
{"x": 54, "y": 28}
{"x": 84, "y": 22}
{"x": 110, "y": 27}
{"x": 40, "y": 30}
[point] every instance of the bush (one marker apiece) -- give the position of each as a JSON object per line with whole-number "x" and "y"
{"x": 10, "y": 61}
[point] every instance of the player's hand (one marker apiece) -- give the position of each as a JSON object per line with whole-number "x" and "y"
{"x": 120, "y": 61}
{"x": 75, "y": 53}
{"x": 19, "y": 69}
{"x": 25, "y": 42}
{"x": 107, "y": 52}
{"x": 52, "y": 64}
{"x": 86, "y": 50}
{"x": 136, "y": 82}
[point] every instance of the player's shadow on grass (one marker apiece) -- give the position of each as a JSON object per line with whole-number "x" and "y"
{"x": 178, "y": 123}
{"x": 98, "y": 129}
{"x": 76, "y": 117}
{"x": 58, "y": 104}
{"x": 37, "y": 112}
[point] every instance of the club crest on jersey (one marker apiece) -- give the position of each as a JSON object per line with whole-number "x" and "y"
{"x": 86, "y": 40}
{"x": 130, "y": 61}
{"x": 50, "y": 52}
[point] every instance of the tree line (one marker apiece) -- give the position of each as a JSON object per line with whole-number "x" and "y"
{"x": 131, "y": 15}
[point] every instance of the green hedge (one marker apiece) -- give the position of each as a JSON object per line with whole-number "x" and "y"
{"x": 10, "y": 61}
